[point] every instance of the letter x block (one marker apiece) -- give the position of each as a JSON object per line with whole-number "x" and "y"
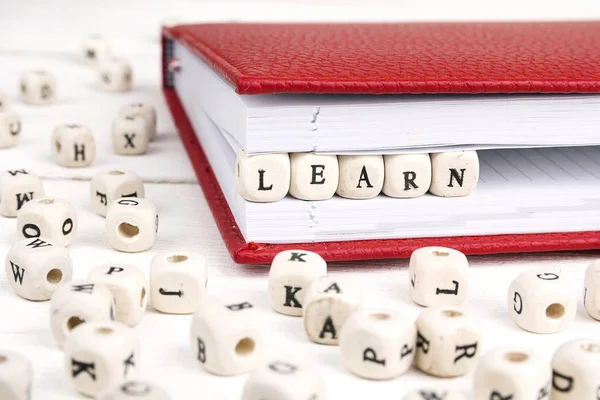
{"x": 291, "y": 273}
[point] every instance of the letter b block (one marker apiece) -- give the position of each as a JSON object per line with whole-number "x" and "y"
{"x": 263, "y": 178}
{"x": 378, "y": 344}
{"x": 447, "y": 342}
{"x": 227, "y": 338}
{"x": 541, "y": 302}
{"x": 438, "y": 276}
{"x": 576, "y": 370}
{"x": 455, "y": 173}
{"x": 291, "y": 273}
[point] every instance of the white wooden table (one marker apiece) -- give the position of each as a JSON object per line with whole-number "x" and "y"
{"x": 45, "y": 35}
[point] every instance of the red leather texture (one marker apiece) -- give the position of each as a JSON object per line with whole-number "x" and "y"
{"x": 559, "y": 57}
{"x": 257, "y": 253}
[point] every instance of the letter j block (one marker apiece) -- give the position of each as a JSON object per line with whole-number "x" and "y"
{"x": 291, "y": 273}
{"x": 263, "y": 178}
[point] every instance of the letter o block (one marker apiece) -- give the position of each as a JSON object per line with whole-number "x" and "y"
{"x": 49, "y": 217}
{"x": 512, "y": 374}
{"x": 541, "y": 302}
{"x": 378, "y": 344}
{"x": 262, "y": 178}
{"x": 576, "y": 370}
{"x": 447, "y": 342}
{"x": 291, "y": 273}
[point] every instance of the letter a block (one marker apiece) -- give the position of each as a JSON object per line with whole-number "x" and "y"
{"x": 328, "y": 303}
{"x": 291, "y": 273}
{"x": 263, "y": 178}
{"x": 361, "y": 177}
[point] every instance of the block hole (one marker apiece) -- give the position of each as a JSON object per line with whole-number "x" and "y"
{"x": 555, "y": 311}
{"x": 54, "y": 276}
{"x": 452, "y": 313}
{"x": 116, "y": 173}
{"x": 57, "y": 146}
{"x": 380, "y": 316}
{"x": 516, "y": 357}
{"x": 591, "y": 347}
{"x": 244, "y": 347}
{"x": 128, "y": 230}
{"x": 440, "y": 253}
{"x": 142, "y": 297}
{"x": 46, "y": 201}
{"x": 177, "y": 258}
{"x": 74, "y": 322}
{"x": 104, "y": 330}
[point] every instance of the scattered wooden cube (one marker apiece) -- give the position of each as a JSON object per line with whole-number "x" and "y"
{"x": 512, "y": 373}
{"x": 146, "y": 111}
{"x": 378, "y": 344}
{"x": 99, "y": 355}
{"x": 328, "y": 303}
{"x": 438, "y": 276}
{"x": 131, "y": 224}
{"x": 73, "y": 146}
{"x": 130, "y": 135}
{"x": 38, "y": 87}
{"x": 115, "y": 75}
{"x": 49, "y": 217}
{"x": 178, "y": 282}
{"x": 10, "y": 129}
{"x": 542, "y": 301}
{"x": 35, "y": 267}
{"x": 227, "y": 339}
{"x": 16, "y": 376}
{"x": 448, "y": 342}
{"x": 108, "y": 186}
{"x": 287, "y": 379}
{"x": 291, "y": 273}
{"x": 77, "y": 302}
{"x": 129, "y": 288}
{"x": 17, "y": 187}
{"x": 95, "y": 50}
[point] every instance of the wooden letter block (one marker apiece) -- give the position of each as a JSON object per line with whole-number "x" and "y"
{"x": 99, "y": 355}
{"x": 10, "y": 129}
{"x": 115, "y": 75}
{"x": 17, "y": 187}
{"x": 576, "y": 370}
{"x": 38, "y": 87}
{"x": 145, "y": 111}
{"x": 131, "y": 224}
{"x": 328, "y": 303}
{"x": 16, "y": 376}
{"x": 447, "y": 342}
{"x": 109, "y": 186}
{"x": 454, "y": 173}
{"x": 512, "y": 374}
{"x": 35, "y": 267}
{"x": 291, "y": 273}
{"x": 130, "y": 135}
{"x": 406, "y": 175}
{"x": 438, "y": 276}
{"x": 73, "y": 146}
{"x": 49, "y": 217}
{"x": 227, "y": 339}
{"x": 378, "y": 344}
{"x": 541, "y": 301}
{"x": 263, "y": 178}
{"x": 361, "y": 177}
{"x": 313, "y": 176}
{"x": 94, "y": 50}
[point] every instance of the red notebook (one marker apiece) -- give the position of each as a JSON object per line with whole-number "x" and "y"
{"x": 456, "y": 58}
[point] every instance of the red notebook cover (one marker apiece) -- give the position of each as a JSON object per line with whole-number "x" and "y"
{"x": 557, "y": 57}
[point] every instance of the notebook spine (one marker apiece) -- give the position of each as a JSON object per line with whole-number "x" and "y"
{"x": 168, "y": 58}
